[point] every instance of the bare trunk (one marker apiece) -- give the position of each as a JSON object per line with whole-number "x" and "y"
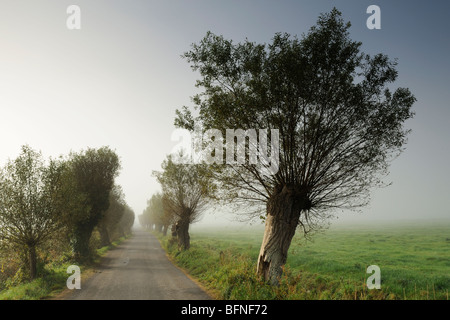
{"x": 184, "y": 242}
{"x": 283, "y": 213}
{"x": 173, "y": 230}
{"x": 80, "y": 241}
{"x": 33, "y": 261}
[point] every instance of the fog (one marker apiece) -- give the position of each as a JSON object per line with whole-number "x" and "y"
{"x": 118, "y": 80}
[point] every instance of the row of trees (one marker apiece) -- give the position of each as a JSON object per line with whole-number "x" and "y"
{"x": 61, "y": 200}
{"x": 155, "y": 215}
{"x": 340, "y": 126}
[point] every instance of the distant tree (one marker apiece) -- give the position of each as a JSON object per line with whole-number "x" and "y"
{"x": 159, "y": 213}
{"x": 31, "y": 203}
{"x": 144, "y": 219}
{"x": 126, "y": 223}
{"x": 156, "y": 211}
{"x": 186, "y": 192}
{"x": 147, "y": 218}
{"x": 339, "y": 123}
{"x": 94, "y": 172}
{"x": 169, "y": 217}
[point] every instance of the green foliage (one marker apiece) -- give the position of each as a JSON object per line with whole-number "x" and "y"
{"x": 117, "y": 220}
{"x": 51, "y": 278}
{"x": 339, "y": 123}
{"x": 187, "y": 189}
{"x": 94, "y": 171}
{"x": 156, "y": 214}
{"x": 50, "y": 209}
{"x": 30, "y": 207}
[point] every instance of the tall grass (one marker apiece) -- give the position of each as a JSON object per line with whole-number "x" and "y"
{"x": 414, "y": 263}
{"x": 50, "y": 280}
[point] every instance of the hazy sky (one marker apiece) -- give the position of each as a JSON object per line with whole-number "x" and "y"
{"x": 118, "y": 80}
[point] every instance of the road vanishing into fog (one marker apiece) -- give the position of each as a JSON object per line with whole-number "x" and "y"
{"x": 138, "y": 269}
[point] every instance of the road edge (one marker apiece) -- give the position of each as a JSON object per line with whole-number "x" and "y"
{"x": 213, "y": 294}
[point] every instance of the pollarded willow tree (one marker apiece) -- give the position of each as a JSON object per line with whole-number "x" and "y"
{"x": 117, "y": 220}
{"x": 340, "y": 124}
{"x": 186, "y": 192}
{"x": 93, "y": 172}
{"x": 32, "y": 198}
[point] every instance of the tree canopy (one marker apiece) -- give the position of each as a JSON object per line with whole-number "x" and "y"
{"x": 31, "y": 210}
{"x": 94, "y": 172}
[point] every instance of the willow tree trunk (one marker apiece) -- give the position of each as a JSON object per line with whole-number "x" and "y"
{"x": 184, "y": 242}
{"x": 80, "y": 241}
{"x": 283, "y": 213}
{"x": 32, "y": 261}
{"x": 166, "y": 226}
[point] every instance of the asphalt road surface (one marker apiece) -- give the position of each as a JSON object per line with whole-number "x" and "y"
{"x": 138, "y": 269}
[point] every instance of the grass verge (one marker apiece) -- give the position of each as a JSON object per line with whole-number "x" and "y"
{"x": 52, "y": 279}
{"x": 231, "y": 275}
{"x": 412, "y": 261}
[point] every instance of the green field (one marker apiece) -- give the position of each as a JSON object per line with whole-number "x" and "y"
{"x": 414, "y": 259}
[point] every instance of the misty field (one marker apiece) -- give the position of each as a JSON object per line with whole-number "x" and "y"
{"x": 414, "y": 260}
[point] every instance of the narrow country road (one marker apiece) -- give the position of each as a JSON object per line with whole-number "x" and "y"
{"x": 138, "y": 269}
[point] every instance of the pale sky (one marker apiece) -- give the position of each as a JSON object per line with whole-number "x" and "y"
{"x": 119, "y": 79}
